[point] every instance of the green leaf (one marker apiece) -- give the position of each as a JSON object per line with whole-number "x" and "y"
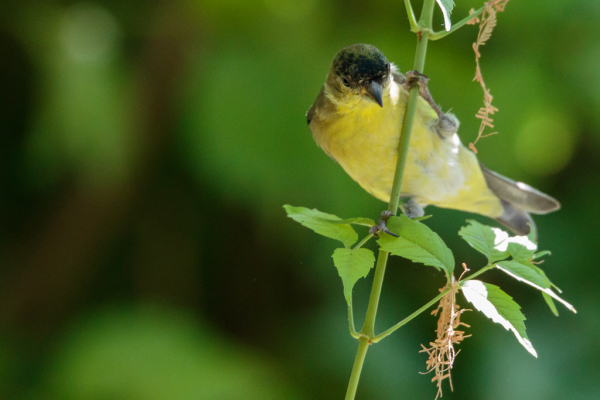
{"x": 521, "y": 253}
{"x": 417, "y": 243}
{"x": 540, "y": 271}
{"x": 522, "y": 273}
{"x": 541, "y": 254}
{"x": 526, "y": 272}
{"x": 352, "y": 265}
{"x": 483, "y": 239}
{"x": 357, "y": 221}
{"x": 323, "y": 224}
{"x": 446, "y": 6}
{"x": 550, "y": 303}
{"x": 499, "y": 307}
{"x": 543, "y": 274}
{"x": 423, "y": 218}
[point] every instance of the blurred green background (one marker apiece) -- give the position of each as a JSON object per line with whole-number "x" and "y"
{"x": 146, "y": 149}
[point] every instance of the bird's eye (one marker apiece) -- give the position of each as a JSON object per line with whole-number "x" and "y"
{"x": 346, "y": 83}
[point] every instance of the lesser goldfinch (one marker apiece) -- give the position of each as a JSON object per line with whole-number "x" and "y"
{"x": 356, "y": 120}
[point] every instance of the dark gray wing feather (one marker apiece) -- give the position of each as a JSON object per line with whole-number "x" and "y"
{"x": 516, "y": 219}
{"x": 519, "y": 194}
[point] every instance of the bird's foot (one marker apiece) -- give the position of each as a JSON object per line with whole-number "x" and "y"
{"x": 447, "y": 124}
{"x": 380, "y": 227}
{"x": 412, "y": 209}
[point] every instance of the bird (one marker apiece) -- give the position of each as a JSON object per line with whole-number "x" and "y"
{"x": 356, "y": 120}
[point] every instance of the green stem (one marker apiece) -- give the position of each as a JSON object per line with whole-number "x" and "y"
{"x": 409, "y": 114}
{"x": 457, "y": 26}
{"x": 369, "y": 326}
{"x": 362, "y": 242}
{"x": 353, "y": 332}
{"x": 410, "y": 317}
{"x": 412, "y": 20}
{"x": 368, "y": 330}
{"x": 481, "y": 271}
{"x": 361, "y": 353}
{"x": 350, "y": 308}
{"x": 426, "y": 18}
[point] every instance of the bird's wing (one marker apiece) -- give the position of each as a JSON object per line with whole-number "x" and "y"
{"x": 397, "y": 75}
{"x": 318, "y": 103}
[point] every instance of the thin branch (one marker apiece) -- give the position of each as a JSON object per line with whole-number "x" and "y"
{"x": 362, "y": 242}
{"x": 353, "y": 332}
{"x": 473, "y": 16}
{"x": 414, "y": 26}
{"x": 410, "y": 317}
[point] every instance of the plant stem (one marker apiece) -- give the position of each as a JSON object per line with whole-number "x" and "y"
{"x": 457, "y": 26}
{"x": 361, "y": 353}
{"x": 411, "y": 108}
{"x": 481, "y": 271}
{"x": 410, "y": 317}
{"x": 362, "y": 242}
{"x": 350, "y": 308}
{"x": 353, "y": 332}
{"x": 369, "y": 326}
{"x": 368, "y": 330}
{"x": 412, "y": 20}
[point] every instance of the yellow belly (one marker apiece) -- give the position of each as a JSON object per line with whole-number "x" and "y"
{"x": 440, "y": 172}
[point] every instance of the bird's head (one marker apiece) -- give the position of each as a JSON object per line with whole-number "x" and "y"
{"x": 360, "y": 70}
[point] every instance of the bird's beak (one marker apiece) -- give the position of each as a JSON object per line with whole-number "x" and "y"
{"x": 375, "y": 91}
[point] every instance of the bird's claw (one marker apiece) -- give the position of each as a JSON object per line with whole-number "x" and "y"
{"x": 412, "y": 209}
{"x": 381, "y": 227}
{"x": 416, "y": 78}
{"x": 447, "y": 124}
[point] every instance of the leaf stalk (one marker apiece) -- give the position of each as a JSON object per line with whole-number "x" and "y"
{"x": 457, "y": 26}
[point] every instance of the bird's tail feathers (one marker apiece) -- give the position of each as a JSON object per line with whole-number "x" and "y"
{"x": 519, "y": 194}
{"x": 515, "y": 219}
{"x": 518, "y": 200}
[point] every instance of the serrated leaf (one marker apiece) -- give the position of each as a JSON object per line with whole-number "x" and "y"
{"x": 526, "y": 272}
{"x": 423, "y": 218}
{"x": 484, "y": 239}
{"x": 499, "y": 307}
{"x": 550, "y": 303}
{"x": 547, "y": 280}
{"x": 318, "y": 222}
{"x": 417, "y": 243}
{"x": 446, "y": 6}
{"x": 541, "y": 254}
{"x": 502, "y": 245}
{"x": 356, "y": 221}
{"x": 352, "y": 264}
{"x": 521, "y": 253}
{"x": 522, "y": 273}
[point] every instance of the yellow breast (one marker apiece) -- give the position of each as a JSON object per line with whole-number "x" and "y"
{"x": 364, "y": 138}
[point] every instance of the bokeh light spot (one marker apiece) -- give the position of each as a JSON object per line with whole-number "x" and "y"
{"x": 88, "y": 32}
{"x": 545, "y": 143}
